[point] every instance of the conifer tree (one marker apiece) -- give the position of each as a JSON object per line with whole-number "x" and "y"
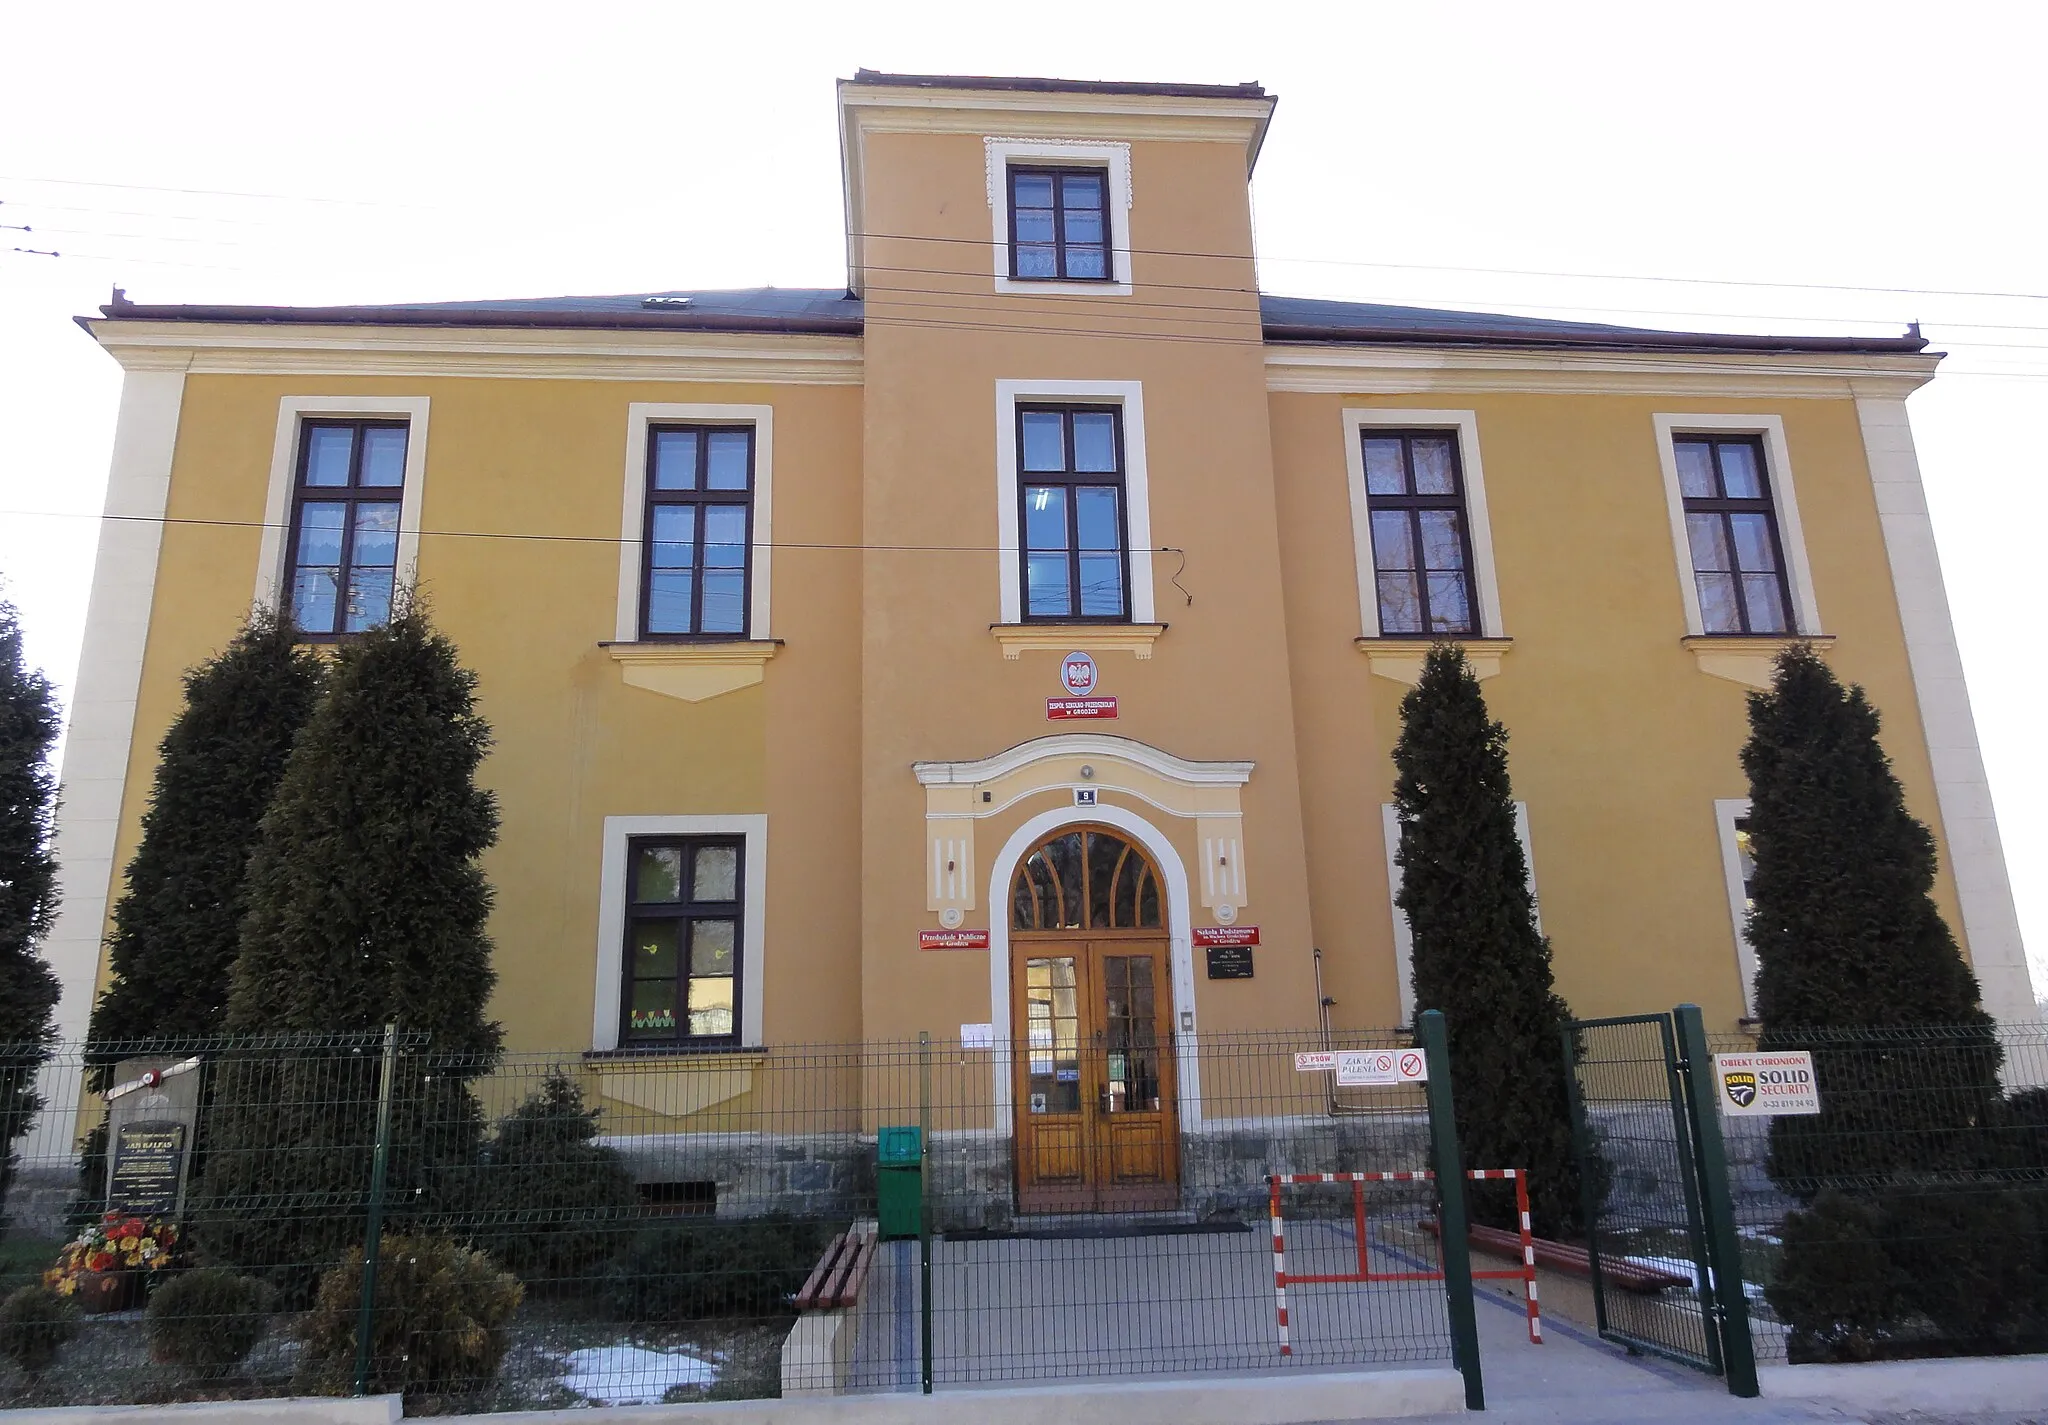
{"x": 1856, "y": 964}
{"x": 177, "y": 924}
{"x": 1478, "y": 955}
{"x": 366, "y": 907}
{"x": 28, "y": 885}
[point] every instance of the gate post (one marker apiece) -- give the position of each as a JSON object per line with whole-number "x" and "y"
{"x": 1724, "y": 1248}
{"x": 1454, "y": 1229}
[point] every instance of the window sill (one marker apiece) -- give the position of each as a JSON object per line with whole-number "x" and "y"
{"x": 674, "y": 1081}
{"x": 1746, "y": 658}
{"x": 1135, "y": 638}
{"x": 693, "y": 671}
{"x": 1401, "y": 658}
{"x": 1062, "y": 287}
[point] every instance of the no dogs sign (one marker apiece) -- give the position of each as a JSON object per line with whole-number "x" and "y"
{"x": 1766, "y": 1085}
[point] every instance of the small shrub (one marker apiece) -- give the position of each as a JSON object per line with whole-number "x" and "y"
{"x": 548, "y": 1201}
{"x": 689, "y": 1272}
{"x": 207, "y": 1320}
{"x": 1837, "y": 1288}
{"x": 35, "y": 1323}
{"x": 441, "y": 1312}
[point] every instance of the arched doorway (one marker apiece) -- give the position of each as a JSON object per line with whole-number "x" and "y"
{"x": 1092, "y": 1009}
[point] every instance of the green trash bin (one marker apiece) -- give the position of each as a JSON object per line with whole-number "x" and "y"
{"x": 899, "y": 1181}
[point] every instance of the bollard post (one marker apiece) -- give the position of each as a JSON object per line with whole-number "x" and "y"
{"x": 1454, "y": 1228}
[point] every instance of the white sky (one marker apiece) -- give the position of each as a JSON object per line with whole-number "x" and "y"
{"x": 506, "y": 150}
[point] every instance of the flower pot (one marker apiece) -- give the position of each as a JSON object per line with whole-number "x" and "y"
{"x": 109, "y": 1291}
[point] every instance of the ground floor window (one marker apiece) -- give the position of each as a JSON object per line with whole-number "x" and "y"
{"x": 683, "y": 935}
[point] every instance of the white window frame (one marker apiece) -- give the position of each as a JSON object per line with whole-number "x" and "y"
{"x": 1404, "y": 935}
{"x": 611, "y": 917}
{"x": 1057, "y": 153}
{"x": 1805, "y": 609}
{"x": 642, "y": 415}
{"x": 292, "y": 414}
{"x": 1130, "y": 396}
{"x": 1728, "y": 811}
{"x": 1485, "y": 578}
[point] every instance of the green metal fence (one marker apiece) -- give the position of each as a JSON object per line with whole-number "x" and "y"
{"x": 367, "y": 1213}
{"x": 1909, "y": 1217}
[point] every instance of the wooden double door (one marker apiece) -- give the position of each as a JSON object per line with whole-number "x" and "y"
{"x": 1097, "y": 1129}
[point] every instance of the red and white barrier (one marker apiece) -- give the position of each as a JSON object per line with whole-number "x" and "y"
{"x": 1281, "y": 1276}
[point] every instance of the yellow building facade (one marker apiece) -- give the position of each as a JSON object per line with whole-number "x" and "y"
{"x": 778, "y": 602}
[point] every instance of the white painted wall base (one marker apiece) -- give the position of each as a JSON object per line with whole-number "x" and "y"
{"x": 1289, "y": 1399}
{"x": 307, "y": 1410}
{"x": 1947, "y": 1387}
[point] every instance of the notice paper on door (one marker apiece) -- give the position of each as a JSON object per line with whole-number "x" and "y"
{"x": 977, "y": 1036}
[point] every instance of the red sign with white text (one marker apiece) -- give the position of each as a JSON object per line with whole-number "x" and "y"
{"x": 952, "y": 940}
{"x": 1058, "y": 709}
{"x": 1211, "y": 936}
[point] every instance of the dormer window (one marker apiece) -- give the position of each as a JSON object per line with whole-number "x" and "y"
{"x": 1059, "y": 224}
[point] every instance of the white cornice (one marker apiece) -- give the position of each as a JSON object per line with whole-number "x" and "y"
{"x": 1085, "y": 744}
{"x": 234, "y": 348}
{"x": 1411, "y": 370}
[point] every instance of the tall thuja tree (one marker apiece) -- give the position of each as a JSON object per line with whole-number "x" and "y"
{"x": 1856, "y": 964}
{"x": 176, "y": 926}
{"x": 28, "y": 885}
{"x": 366, "y": 906}
{"x": 1478, "y": 955}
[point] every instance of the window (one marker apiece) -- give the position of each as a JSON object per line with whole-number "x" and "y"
{"x": 1738, "y": 563}
{"x": 1071, "y": 484}
{"x": 698, "y": 536}
{"x": 683, "y": 940}
{"x": 1738, "y": 867}
{"x": 1059, "y": 224}
{"x": 342, "y": 553}
{"x": 1421, "y": 547}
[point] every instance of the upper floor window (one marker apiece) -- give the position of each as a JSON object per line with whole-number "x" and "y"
{"x": 1071, "y": 482}
{"x": 682, "y": 962}
{"x": 1421, "y": 546}
{"x": 1059, "y": 224}
{"x": 1737, "y": 561}
{"x": 696, "y": 569}
{"x": 342, "y": 549}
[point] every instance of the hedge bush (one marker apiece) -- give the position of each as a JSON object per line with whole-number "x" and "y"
{"x": 35, "y": 1323}
{"x": 207, "y": 1320}
{"x": 546, "y": 1200}
{"x": 441, "y": 1313}
{"x": 686, "y": 1271}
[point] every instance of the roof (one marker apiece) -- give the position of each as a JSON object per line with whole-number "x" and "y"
{"x": 832, "y": 311}
{"x": 1252, "y": 90}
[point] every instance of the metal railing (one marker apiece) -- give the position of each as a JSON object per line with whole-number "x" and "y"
{"x": 1909, "y": 1217}
{"x": 366, "y": 1213}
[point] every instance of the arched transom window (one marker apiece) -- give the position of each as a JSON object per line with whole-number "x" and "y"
{"x": 1085, "y": 879}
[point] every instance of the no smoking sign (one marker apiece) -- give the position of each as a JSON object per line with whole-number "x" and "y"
{"x": 1381, "y": 1068}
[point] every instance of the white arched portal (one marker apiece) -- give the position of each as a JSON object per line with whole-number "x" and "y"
{"x": 1172, "y": 873}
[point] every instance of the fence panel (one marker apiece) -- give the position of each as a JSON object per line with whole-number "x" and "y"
{"x": 563, "y": 1229}
{"x": 1910, "y": 1216}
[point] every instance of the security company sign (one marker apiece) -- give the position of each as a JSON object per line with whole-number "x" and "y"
{"x": 1767, "y": 1085}
{"x": 1381, "y": 1068}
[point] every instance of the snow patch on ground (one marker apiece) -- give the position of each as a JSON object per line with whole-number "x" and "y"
{"x": 1681, "y": 1267}
{"x": 633, "y": 1375}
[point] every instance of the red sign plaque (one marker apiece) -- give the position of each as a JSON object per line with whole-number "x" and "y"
{"x": 1058, "y": 709}
{"x": 1214, "y": 936}
{"x": 952, "y": 940}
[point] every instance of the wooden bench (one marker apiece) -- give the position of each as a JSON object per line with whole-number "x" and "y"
{"x": 836, "y": 1281}
{"x": 817, "y": 1356}
{"x": 1573, "y": 1261}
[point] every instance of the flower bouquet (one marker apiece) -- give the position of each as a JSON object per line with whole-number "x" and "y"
{"x": 110, "y": 1265}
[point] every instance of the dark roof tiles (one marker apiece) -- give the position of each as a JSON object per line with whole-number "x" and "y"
{"x": 832, "y": 311}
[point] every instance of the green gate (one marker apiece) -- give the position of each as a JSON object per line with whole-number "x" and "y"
{"x": 1656, "y": 1192}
